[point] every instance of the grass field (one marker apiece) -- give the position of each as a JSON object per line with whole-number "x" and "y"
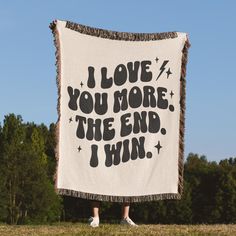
{"x": 113, "y": 229}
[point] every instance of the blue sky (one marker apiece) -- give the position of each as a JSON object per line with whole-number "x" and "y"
{"x": 28, "y": 73}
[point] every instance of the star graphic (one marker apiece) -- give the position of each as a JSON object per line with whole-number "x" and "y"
{"x": 157, "y": 59}
{"x": 168, "y": 73}
{"x": 81, "y": 84}
{"x": 79, "y": 148}
{"x": 171, "y": 94}
{"x": 70, "y": 120}
{"x": 158, "y": 146}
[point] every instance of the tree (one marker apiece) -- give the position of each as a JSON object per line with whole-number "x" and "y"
{"x": 3, "y": 196}
{"x": 227, "y": 191}
{"x": 29, "y": 194}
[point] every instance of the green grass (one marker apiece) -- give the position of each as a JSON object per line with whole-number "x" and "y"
{"x": 115, "y": 229}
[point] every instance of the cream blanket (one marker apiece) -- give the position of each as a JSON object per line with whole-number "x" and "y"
{"x": 121, "y": 104}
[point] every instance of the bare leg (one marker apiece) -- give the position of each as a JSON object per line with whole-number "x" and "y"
{"x": 94, "y": 220}
{"x": 125, "y": 210}
{"x": 125, "y": 220}
{"x": 95, "y": 208}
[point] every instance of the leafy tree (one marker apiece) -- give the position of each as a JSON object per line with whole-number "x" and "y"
{"x": 28, "y": 194}
{"x": 3, "y": 196}
{"x": 226, "y": 193}
{"x": 50, "y": 144}
{"x": 179, "y": 211}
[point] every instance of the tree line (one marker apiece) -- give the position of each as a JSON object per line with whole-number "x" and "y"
{"x": 27, "y": 195}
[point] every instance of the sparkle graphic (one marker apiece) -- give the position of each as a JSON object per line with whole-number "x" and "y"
{"x": 81, "y": 84}
{"x": 168, "y": 73}
{"x": 79, "y": 148}
{"x": 158, "y": 146}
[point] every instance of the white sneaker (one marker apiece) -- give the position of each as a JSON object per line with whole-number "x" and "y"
{"x": 127, "y": 221}
{"x": 93, "y": 221}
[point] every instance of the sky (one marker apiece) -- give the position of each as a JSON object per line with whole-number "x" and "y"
{"x": 28, "y": 72}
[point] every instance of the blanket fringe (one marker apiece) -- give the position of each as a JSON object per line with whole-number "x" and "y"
{"x": 109, "y": 34}
{"x": 109, "y": 198}
{"x": 130, "y": 37}
{"x": 55, "y": 33}
{"x": 182, "y": 114}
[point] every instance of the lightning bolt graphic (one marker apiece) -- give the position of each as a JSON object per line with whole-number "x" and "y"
{"x": 162, "y": 68}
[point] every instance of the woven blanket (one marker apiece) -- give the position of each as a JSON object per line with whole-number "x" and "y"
{"x": 121, "y": 113}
